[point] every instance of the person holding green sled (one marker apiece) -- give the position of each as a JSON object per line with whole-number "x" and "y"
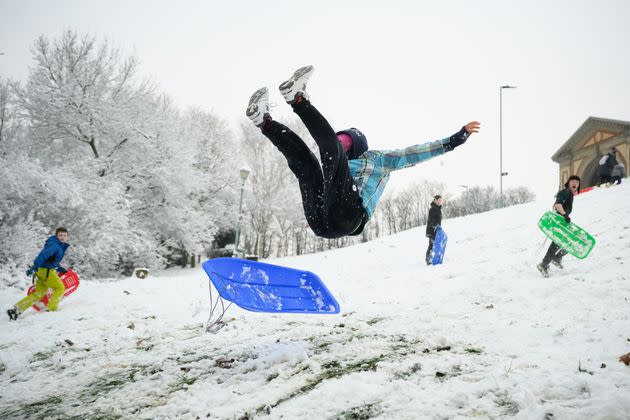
{"x": 46, "y": 269}
{"x": 562, "y": 206}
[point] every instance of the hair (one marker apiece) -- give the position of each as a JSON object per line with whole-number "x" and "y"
{"x": 435, "y": 197}
{"x": 572, "y": 178}
{"x": 60, "y": 229}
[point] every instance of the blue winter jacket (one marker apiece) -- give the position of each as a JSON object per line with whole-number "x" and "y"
{"x": 371, "y": 170}
{"x": 51, "y": 255}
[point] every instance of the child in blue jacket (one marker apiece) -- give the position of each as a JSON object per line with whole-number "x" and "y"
{"x": 340, "y": 195}
{"x": 46, "y": 269}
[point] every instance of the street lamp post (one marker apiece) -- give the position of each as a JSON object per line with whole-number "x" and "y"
{"x": 501, "y": 173}
{"x": 244, "y": 172}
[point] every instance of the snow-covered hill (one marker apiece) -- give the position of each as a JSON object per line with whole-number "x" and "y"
{"x": 483, "y": 336}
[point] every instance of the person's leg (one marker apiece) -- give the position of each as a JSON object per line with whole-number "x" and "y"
{"x": 429, "y": 256}
{"x": 342, "y": 202}
{"x": 342, "y": 210}
{"x": 557, "y": 258}
{"x": 305, "y": 167}
{"x": 550, "y": 255}
{"x": 55, "y": 283}
{"x": 38, "y": 294}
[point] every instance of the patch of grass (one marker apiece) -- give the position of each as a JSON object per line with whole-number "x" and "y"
{"x": 375, "y": 320}
{"x": 333, "y": 370}
{"x": 321, "y": 347}
{"x": 331, "y": 365}
{"x": 416, "y": 367}
{"x": 42, "y": 355}
{"x": 272, "y": 376}
{"x": 503, "y": 400}
{"x": 473, "y": 350}
{"x": 2, "y": 367}
{"x": 6, "y": 346}
{"x": 98, "y": 415}
{"x": 456, "y": 370}
{"x": 47, "y": 408}
{"x": 189, "y": 358}
{"x": 182, "y": 383}
{"x": 361, "y": 412}
{"x": 104, "y": 385}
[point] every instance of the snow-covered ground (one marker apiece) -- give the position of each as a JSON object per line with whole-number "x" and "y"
{"x": 483, "y": 336}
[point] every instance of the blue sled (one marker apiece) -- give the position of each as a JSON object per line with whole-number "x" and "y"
{"x": 262, "y": 287}
{"x": 439, "y": 246}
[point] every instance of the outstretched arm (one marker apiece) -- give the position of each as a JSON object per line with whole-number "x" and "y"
{"x": 404, "y": 158}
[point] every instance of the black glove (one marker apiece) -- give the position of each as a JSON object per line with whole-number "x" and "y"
{"x": 567, "y": 218}
{"x": 62, "y": 270}
{"x": 30, "y": 271}
{"x": 457, "y": 139}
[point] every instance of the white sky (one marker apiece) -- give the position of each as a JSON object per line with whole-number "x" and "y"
{"x": 403, "y": 72}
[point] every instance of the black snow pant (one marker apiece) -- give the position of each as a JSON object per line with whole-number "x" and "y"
{"x": 332, "y": 204}
{"x": 554, "y": 253}
{"x": 429, "y": 256}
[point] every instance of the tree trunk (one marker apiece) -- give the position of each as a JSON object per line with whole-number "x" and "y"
{"x": 92, "y": 144}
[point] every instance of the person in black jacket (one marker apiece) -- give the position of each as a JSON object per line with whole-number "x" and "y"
{"x": 563, "y": 206}
{"x": 606, "y": 165}
{"x": 434, "y": 220}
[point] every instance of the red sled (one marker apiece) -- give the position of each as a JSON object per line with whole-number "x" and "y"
{"x": 70, "y": 280}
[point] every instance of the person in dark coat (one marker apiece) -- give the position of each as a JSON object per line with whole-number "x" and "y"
{"x": 606, "y": 165}
{"x": 434, "y": 220}
{"x": 562, "y": 206}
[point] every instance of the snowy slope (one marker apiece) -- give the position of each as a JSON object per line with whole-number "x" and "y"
{"x": 483, "y": 335}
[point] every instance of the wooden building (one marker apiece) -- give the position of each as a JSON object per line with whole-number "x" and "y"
{"x": 581, "y": 153}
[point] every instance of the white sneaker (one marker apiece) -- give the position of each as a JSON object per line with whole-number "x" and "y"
{"x": 258, "y": 106}
{"x": 296, "y": 85}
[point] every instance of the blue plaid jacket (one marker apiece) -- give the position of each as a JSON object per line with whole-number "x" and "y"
{"x": 371, "y": 170}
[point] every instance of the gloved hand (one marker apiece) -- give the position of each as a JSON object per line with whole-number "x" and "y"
{"x": 457, "y": 139}
{"x": 567, "y": 218}
{"x": 30, "y": 272}
{"x": 61, "y": 270}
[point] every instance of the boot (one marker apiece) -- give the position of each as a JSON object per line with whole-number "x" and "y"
{"x": 544, "y": 270}
{"x": 258, "y": 107}
{"x": 557, "y": 263}
{"x": 296, "y": 85}
{"x": 13, "y": 313}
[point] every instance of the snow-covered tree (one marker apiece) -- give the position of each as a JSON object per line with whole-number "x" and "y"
{"x": 80, "y": 93}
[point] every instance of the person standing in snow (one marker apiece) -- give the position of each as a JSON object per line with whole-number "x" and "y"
{"x": 606, "y": 165}
{"x": 562, "y": 206}
{"x": 340, "y": 195}
{"x": 433, "y": 221}
{"x": 618, "y": 172}
{"x": 46, "y": 269}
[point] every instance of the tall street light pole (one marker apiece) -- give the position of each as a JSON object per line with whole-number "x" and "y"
{"x": 501, "y": 173}
{"x": 244, "y": 172}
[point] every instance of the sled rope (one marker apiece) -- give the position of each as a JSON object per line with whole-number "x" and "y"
{"x": 214, "y": 326}
{"x": 541, "y": 246}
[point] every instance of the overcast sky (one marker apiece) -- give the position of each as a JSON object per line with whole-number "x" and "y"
{"x": 403, "y": 72}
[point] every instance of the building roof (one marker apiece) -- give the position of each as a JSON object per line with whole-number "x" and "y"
{"x": 591, "y": 125}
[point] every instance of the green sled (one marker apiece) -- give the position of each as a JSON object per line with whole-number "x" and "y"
{"x": 568, "y": 236}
